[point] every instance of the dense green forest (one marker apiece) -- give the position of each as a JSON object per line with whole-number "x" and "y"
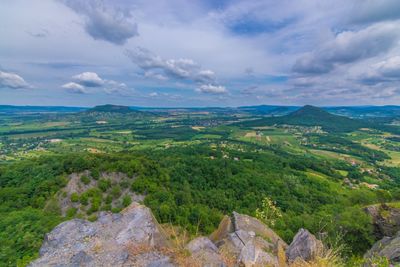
{"x": 192, "y": 187}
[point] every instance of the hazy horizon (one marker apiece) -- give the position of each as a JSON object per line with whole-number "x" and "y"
{"x": 199, "y": 53}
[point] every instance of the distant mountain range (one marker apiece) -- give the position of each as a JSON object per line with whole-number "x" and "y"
{"x": 261, "y": 110}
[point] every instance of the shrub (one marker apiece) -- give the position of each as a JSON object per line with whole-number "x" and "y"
{"x": 84, "y": 199}
{"x": 74, "y": 197}
{"x": 116, "y": 191}
{"x": 85, "y": 180}
{"x": 104, "y": 185}
{"x": 92, "y": 217}
{"x": 126, "y": 201}
{"x": 95, "y": 174}
{"x": 268, "y": 213}
{"x": 71, "y": 212}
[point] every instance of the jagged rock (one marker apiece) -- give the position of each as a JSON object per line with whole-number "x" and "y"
{"x": 134, "y": 238}
{"x": 388, "y": 247}
{"x": 386, "y": 220}
{"x": 205, "y": 252}
{"x": 304, "y": 245}
{"x": 248, "y": 241}
{"x": 109, "y": 241}
{"x": 225, "y": 227}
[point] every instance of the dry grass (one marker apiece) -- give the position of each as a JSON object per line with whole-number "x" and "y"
{"x": 176, "y": 249}
{"x": 326, "y": 258}
{"x": 180, "y": 257}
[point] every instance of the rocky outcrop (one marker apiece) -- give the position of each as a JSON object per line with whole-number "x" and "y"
{"x": 304, "y": 246}
{"x": 386, "y": 220}
{"x": 107, "y": 242}
{"x": 205, "y": 252}
{"x": 388, "y": 247}
{"x": 134, "y": 238}
{"x": 249, "y": 242}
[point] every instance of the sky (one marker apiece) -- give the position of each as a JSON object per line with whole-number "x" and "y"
{"x": 176, "y": 53}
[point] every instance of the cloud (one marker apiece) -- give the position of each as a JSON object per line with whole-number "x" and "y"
{"x": 74, "y": 88}
{"x": 366, "y": 11}
{"x": 105, "y": 22}
{"x": 12, "y": 80}
{"x": 250, "y": 90}
{"x": 83, "y": 81}
{"x": 114, "y": 87}
{"x": 88, "y": 79}
{"x": 212, "y": 89}
{"x": 205, "y": 76}
{"x": 181, "y": 69}
{"x": 348, "y": 47}
{"x": 184, "y": 69}
{"x": 156, "y": 76}
{"x": 384, "y": 71}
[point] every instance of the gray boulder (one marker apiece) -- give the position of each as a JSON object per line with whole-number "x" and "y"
{"x": 304, "y": 246}
{"x": 388, "y": 247}
{"x": 386, "y": 220}
{"x": 123, "y": 239}
{"x": 205, "y": 253}
{"x": 248, "y": 242}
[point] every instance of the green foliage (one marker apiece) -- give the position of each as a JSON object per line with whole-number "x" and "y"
{"x": 116, "y": 191}
{"x": 71, "y": 212}
{"x": 84, "y": 199}
{"x": 75, "y": 197}
{"x": 268, "y": 213}
{"x": 184, "y": 186}
{"x": 92, "y": 218}
{"x": 22, "y": 232}
{"x": 95, "y": 174}
{"x": 85, "y": 180}
{"x": 104, "y": 185}
{"x": 126, "y": 201}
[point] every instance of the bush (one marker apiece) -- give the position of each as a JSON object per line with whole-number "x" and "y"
{"x": 92, "y": 217}
{"x": 126, "y": 201}
{"x": 104, "y": 185}
{"x": 95, "y": 174}
{"x": 85, "y": 180}
{"x": 84, "y": 199}
{"x": 115, "y": 210}
{"x": 71, "y": 212}
{"x": 74, "y": 197}
{"x": 116, "y": 191}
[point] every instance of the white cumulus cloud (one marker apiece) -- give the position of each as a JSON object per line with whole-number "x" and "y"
{"x": 74, "y": 88}
{"x": 88, "y": 79}
{"x": 12, "y": 80}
